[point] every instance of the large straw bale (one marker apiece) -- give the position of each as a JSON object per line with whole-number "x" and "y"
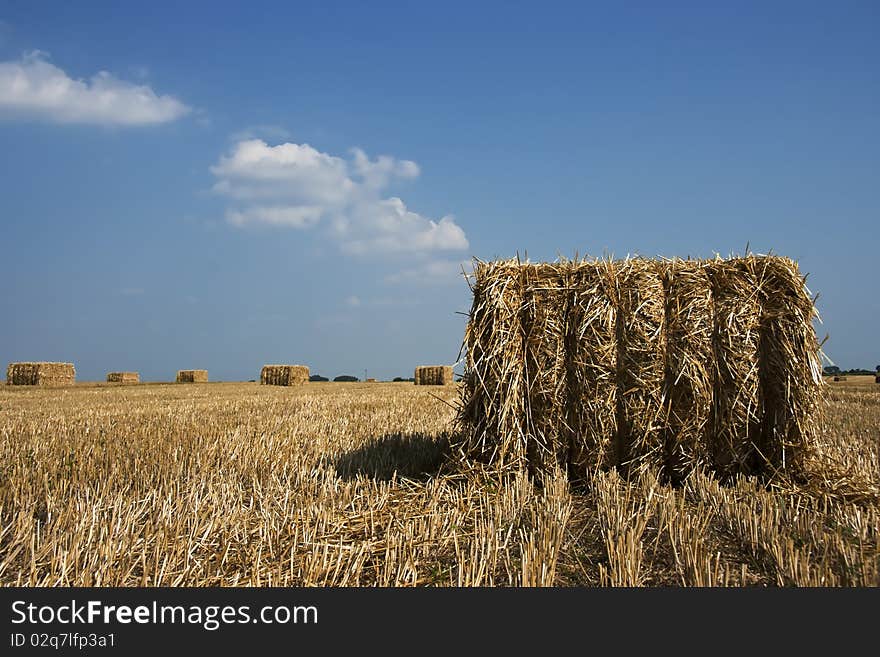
{"x": 40, "y": 374}
{"x": 192, "y": 376}
{"x": 284, "y": 375}
{"x": 670, "y": 363}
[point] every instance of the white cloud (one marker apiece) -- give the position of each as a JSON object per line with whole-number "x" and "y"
{"x": 33, "y": 87}
{"x": 297, "y": 185}
{"x": 302, "y": 216}
{"x": 353, "y": 301}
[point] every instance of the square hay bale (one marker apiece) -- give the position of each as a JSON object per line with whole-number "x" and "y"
{"x": 669, "y": 363}
{"x": 433, "y": 375}
{"x": 284, "y": 375}
{"x": 123, "y": 377}
{"x": 40, "y": 374}
{"x": 192, "y": 376}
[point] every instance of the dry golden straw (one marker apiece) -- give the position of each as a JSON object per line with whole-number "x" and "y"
{"x": 192, "y": 376}
{"x": 40, "y": 374}
{"x": 673, "y": 364}
{"x": 433, "y": 375}
{"x": 284, "y": 375}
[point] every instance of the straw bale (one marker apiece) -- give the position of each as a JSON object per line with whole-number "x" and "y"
{"x": 192, "y": 376}
{"x": 433, "y": 375}
{"x": 40, "y": 374}
{"x": 123, "y": 377}
{"x": 673, "y": 363}
{"x": 284, "y": 375}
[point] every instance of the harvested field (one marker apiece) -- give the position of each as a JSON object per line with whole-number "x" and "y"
{"x": 356, "y": 485}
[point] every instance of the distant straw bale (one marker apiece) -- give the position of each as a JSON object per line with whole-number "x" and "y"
{"x": 433, "y": 375}
{"x": 123, "y": 377}
{"x": 674, "y": 363}
{"x": 284, "y": 375}
{"x": 40, "y": 374}
{"x": 192, "y": 376}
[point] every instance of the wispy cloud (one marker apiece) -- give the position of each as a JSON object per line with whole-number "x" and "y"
{"x": 432, "y": 272}
{"x": 263, "y": 131}
{"x": 354, "y": 301}
{"x": 301, "y": 187}
{"x": 34, "y": 88}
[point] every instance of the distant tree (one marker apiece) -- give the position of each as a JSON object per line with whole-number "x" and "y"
{"x": 878, "y": 369}
{"x": 398, "y": 379}
{"x": 346, "y": 378}
{"x": 831, "y": 369}
{"x": 318, "y": 377}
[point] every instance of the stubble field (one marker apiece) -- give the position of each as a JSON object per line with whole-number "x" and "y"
{"x": 233, "y": 484}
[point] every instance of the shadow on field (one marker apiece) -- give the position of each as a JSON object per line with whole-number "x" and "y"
{"x": 411, "y": 455}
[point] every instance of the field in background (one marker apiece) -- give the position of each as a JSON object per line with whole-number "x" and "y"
{"x": 354, "y": 484}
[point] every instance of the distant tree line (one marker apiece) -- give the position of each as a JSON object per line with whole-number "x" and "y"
{"x": 833, "y": 370}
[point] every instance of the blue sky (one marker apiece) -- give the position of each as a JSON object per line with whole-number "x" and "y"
{"x": 209, "y": 186}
